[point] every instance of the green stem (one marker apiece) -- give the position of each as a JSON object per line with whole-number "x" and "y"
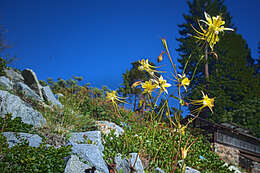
{"x": 206, "y": 63}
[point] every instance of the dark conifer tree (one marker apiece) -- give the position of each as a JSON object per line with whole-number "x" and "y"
{"x": 131, "y": 76}
{"x": 231, "y": 76}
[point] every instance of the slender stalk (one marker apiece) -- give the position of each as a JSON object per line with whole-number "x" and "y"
{"x": 206, "y": 63}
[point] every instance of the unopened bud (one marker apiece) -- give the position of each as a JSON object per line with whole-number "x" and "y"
{"x": 160, "y": 57}
{"x": 164, "y": 44}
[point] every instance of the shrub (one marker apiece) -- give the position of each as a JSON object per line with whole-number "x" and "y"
{"x": 157, "y": 148}
{"x": 24, "y": 158}
{"x": 13, "y": 125}
{"x": 2, "y": 66}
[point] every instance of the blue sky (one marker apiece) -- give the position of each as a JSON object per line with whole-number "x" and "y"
{"x": 99, "y": 39}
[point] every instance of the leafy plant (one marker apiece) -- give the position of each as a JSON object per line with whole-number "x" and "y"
{"x": 24, "y": 158}
{"x": 158, "y": 146}
{"x": 2, "y": 66}
{"x": 13, "y": 125}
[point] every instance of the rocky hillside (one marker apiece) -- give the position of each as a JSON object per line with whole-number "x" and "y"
{"x": 76, "y": 130}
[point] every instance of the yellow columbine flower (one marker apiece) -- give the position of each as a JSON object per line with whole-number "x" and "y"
{"x": 214, "y": 28}
{"x": 205, "y": 102}
{"x": 147, "y": 67}
{"x": 184, "y": 81}
{"x": 148, "y": 86}
{"x": 185, "y": 149}
{"x": 162, "y": 84}
{"x": 112, "y": 96}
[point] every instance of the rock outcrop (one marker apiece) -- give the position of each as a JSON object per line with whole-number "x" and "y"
{"x": 74, "y": 165}
{"x": 49, "y": 97}
{"x": 90, "y": 137}
{"x": 18, "y": 108}
{"x": 27, "y": 92}
{"x": 14, "y": 138}
{"x": 13, "y": 75}
{"x": 31, "y": 80}
{"x": 125, "y": 164}
{"x": 92, "y": 155}
{"x": 5, "y": 83}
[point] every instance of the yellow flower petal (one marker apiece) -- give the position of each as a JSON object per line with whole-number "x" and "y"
{"x": 112, "y": 96}
{"x": 205, "y": 102}
{"x": 147, "y": 67}
{"x": 211, "y": 33}
{"x": 148, "y": 86}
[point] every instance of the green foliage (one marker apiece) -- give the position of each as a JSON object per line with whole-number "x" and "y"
{"x": 257, "y": 65}
{"x": 13, "y": 125}
{"x": 100, "y": 109}
{"x": 43, "y": 83}
{"x": 2, "y": 66}
{"x": 160, "y": 147}
{"x": 248, "y": 115}
{"x": 62, "y": 84}
{"x": 62, "y": 121}
{"x": 23, "y": 158}
{"x": 82, "y": 106}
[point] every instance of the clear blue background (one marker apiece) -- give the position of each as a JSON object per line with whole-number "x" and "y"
{"x": 98, "y": 39}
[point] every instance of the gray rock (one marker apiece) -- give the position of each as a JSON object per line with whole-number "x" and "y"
{"x": 14, "y": 138}
{"x": 106, "y": 127}
{"x": 234, "y": 169}
{"x": 74, "y": 165}
{"x": 13, "y": 75}
{"x": 92, "y": 155}
{"x": 121, "y": 164}
{"x": 191, "y": 170}
{"x": 138, "y": 167}
{"x": 13, "y": 104}
{"x": 158, "y": 170}
{"x": 49, "y": 96}
{"x": 124, "y": 164}
{"x": 26, "y": 91}
{"x": 93, "y": 136}
{"x": 31, "y": 80}
{"x": 6, "y": 83}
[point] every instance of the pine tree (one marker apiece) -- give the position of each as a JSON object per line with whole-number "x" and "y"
{"x": 230, "y": 78}
{"x": 129, "y": 78}
{"x": 258, "y": 60}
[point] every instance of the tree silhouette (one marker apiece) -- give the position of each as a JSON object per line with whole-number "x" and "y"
{"x": 231, "y": 76}
{"x": 129, "y": 77}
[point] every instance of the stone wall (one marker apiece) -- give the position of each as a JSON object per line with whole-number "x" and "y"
{"x": 231, "y": 155}
{"x": 227, "y": 154}
{"x": 256, "y": 167}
